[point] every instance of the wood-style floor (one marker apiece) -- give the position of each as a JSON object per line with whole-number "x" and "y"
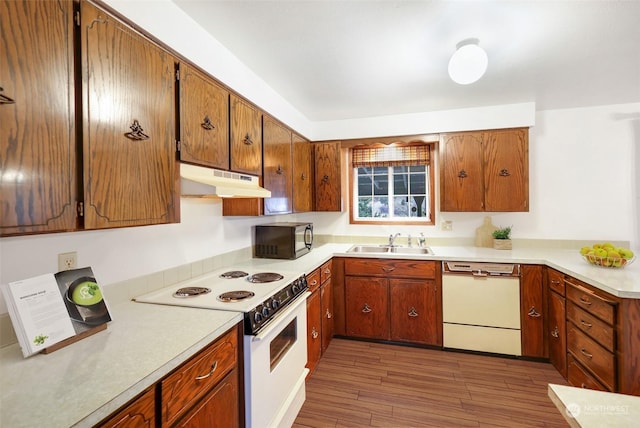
{"x": 362, "y": 384}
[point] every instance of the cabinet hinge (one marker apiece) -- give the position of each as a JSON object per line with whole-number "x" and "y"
{"x": 76, "y": 17}
{"x": 178, "y": 74}
{"x": 80, "y": 209}
{"x": 178, "y": 145}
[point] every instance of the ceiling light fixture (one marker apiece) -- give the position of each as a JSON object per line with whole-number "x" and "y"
{"x": 468, "y": 63}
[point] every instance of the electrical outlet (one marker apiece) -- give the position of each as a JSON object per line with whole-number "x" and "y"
{"x": 446, "y": 225}
{"x": 67, "y": 261}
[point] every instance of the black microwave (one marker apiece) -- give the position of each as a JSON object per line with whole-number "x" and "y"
{"x": 283, "y": 240}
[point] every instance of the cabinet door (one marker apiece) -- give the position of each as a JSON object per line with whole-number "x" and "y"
{"x": 204, "y": 119}
{"x": 327, "y": 176}
{"x": 531, "y": 311}
{"x": 302, "y": 175}
{"x": 128, "y": 85}
{"x": 140, "y": 413}
{"x": 277, "y": 172}
{"x": 413, "y": 311}
{"x": 558, "y": 333}
{"x": 314, "y": 330}
{"x": 37, "y": 134}
{"x": 326, "y": 297}
{"x": 506, "y": 170}
{"x": 246, "y": 137}
{"x": 218, "y": 409}
{"x": 366, "y": 306}
{"x": 461, "y": 178}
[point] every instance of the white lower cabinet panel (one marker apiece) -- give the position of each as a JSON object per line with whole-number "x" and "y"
{"x": 484, "y": 339}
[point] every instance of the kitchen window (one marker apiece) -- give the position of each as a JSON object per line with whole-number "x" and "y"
{"x": 392, "y": 184}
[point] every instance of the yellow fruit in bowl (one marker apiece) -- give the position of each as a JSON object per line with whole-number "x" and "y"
{"x": 626, "y": 253}
{"x": 584, "y": 250}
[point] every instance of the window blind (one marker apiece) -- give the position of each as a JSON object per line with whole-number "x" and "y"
{"x": 391, "y": 155}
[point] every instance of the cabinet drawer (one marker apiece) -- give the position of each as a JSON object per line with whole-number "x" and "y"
{"x": 387, "y": 268}
{"x": 578, "y": 376}
{"x": 556, "y": 281}
{"x": 592, "y": 356}
{"x": 313, "y": 280}
{"x": 600, "y": 331}
{"x": 197, "y": 376}
{"x": 591, "y": 302}
{"x": 325, "y": 271}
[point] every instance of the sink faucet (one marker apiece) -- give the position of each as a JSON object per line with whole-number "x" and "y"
{"x": 421, "y": 240}
{"x": 392, "y": 239}
{"x": 409, "y": 240}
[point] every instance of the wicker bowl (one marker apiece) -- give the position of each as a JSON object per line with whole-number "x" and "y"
{"x": 608, "y": 262}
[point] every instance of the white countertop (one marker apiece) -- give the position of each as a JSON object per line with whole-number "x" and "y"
{"x": 88, "y": 380}
{"x": 585, "y": 408}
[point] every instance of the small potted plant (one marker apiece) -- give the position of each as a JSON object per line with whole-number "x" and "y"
{"x": 502, "y": 238}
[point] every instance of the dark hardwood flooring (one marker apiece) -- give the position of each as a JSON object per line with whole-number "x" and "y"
{"x": 363, "y": 384}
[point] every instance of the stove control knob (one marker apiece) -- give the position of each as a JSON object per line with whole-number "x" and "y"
{"x": 275, "y": 304}
{"x": 258, "y": 317}
{"x": 266, "y": 311}
{"x": 296, "y": 286}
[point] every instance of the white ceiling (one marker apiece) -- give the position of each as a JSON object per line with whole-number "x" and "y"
{"x": 337, "y": 59}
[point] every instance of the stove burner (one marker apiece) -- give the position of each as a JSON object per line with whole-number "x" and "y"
{"x": 191, "y": 291}
{"x": 233, "y": 274}
{"x": 235, "y": 296}
{"x": 264, "y": 277}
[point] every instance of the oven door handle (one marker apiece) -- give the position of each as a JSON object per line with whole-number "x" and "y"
{"x": 302, "y": 299}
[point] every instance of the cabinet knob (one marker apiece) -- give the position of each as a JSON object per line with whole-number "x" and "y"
{"x": 325, "y": 179}
{"x": 533, "y": 312}
{"x": 412, "y": 312}
{"x": 462, "y": 174}
{"x": 279, "y": 171}
{"x": 206, "y": 124}
{"x": 555, "y": 333}
{"x": 366, "y": 309}
{"x": 303, "y": 176}
{"x": 247, "y": 140}
{"x": 328, "y": 314}
{"x": 136, "y": 133}
{"x": 314, "y": 333}
{"x": 504, "y": 172}
{"x": 5, "y": 99}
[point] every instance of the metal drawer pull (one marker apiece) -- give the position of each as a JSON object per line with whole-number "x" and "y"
{"x": 314, "y": 333}
{"x": 533, "y": 312}
{"x": 585, "y": 353}
{"x": 583, "y": 385}
{"x": 586, "y": 324}
{"x": 214, "y": 366}
{"x": 327, "y": 271}
{"x": 585, "y": 301}
{"x": 137, "y": 133}
{"x": 328, "y": 314}
{"x": 555, "y": 333}
{"x": 412, "y": 312}
{"x": 366, "y": 309}
{"x": 388, "y": 268}
{"x": 314, "y": 282}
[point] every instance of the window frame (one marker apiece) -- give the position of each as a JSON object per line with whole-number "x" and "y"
{"x": 430, "y": 183}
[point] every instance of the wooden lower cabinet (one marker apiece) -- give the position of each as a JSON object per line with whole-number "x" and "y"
{"x": 319, "y": 314}
{"x": 396, "y": 300}
{"x": 314, "y": 331}
{"x": 557, "y": 328}
{"x": 139, "y": 413}
{"x": 218, "y": 409}
{"x": 532, "y": 319}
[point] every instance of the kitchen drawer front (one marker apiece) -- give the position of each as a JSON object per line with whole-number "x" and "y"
{"x": 182, "y": 388}
{"x": 592, "y": 356}
{"x": 391, "y": 267}
{"x": 313, "y": 280}
{"x": 325, "y": 271}
{"x": 597, "y": 329}
{"x": 555, "y": 280}
{"x": 578, "y": 376}
{"x": 591, "y": 302}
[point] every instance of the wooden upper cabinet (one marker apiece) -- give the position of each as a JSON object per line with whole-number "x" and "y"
{"x": 37, "y": 135}
{"x": 506, "y": 170}
{"x": 246, "y": 137}
{"x": 277, "y": 168}
{"x": 485, "y": 171}
{"x": 328, "y": 195}
{"x": 461, "y": 177}
{"x": 128, "y": 92}
{"x": 204, "y": 119}
{"x": 302, "y": 175}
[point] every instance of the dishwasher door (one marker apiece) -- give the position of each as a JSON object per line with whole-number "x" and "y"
{"x": 481, "y": 313}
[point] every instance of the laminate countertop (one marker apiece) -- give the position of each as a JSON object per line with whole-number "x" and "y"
{"x": 81, "y": 384}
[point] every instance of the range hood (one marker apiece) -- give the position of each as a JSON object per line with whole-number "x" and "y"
{"x": 198, "y": 181}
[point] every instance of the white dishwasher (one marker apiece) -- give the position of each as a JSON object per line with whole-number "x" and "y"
{"x": 481, "y": 307}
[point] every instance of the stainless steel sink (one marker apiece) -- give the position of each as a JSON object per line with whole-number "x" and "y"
{"x": 386, "y": 249}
